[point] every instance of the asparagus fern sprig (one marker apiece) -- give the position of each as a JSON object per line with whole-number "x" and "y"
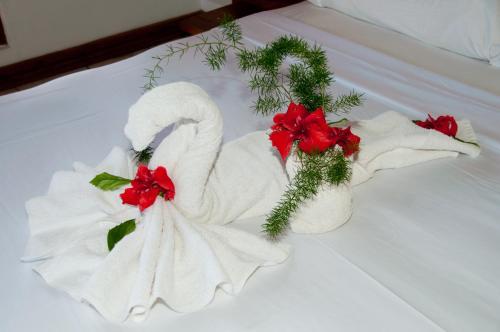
{"x": 286, "y": 70}
{"x": 307, "y": 80}
{"x": 143, "y": 157}
{"x": 214, "y": 48}
{"x": 329, "y": 167}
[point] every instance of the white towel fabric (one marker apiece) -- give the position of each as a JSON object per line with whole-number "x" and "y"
{"x": 213, "y": 185}
{"x": 176, "y": 254}
{"x": 388, "y": 141}
{"x": 391, "y": 140}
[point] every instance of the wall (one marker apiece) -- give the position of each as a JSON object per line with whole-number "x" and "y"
{"x": 37, "y": 27}
{"x": 208, "y": 5}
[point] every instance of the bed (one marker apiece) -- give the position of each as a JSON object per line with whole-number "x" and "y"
{"x": 421, "y": 252}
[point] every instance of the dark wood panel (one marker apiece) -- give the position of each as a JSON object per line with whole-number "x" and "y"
{"x": 3, "y": 38}
{"x": 266, "y": 4}
{"x": 61, "y": 62}
{"x": 207, "y": 20}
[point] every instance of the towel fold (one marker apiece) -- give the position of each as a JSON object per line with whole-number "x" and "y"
{"x": 388, "y": 141}
{"x": 176, "y": 254}
{"x": 391, "y": 140}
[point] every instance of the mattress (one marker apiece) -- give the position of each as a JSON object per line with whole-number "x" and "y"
{"x": 469, "y": 71}
{"x": 421, "y": 252}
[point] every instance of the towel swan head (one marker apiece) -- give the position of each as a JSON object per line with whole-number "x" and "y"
{"x": 190, "y": 150}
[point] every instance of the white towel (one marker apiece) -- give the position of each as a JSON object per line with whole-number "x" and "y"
{"x": 213, "y": 185}
{"x": 391, "y": 140}
{"x": 175, "y": 254}
{"x": 178, "y": 253}
{"x": 388, "y": 141}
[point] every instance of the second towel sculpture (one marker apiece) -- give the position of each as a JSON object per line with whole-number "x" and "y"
{"x": 388, "y": 141}
{"x": 180, "y": 253}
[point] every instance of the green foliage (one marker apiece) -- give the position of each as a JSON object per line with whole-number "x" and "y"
{"x": 109, "y": 182}
{"x": 344, "y": 103}
{"x": 118, "y": 232}
{"x": 214, "y": 49}
{"x": 144, "y": 156}
{"x": 307, "y": 80}
{"x": 336, "y": 168}
{"x": 473, "y": 143}
{"x": 231, "y": 31}
{"x": 329, "y": 167}
{"x": 304, "y": 186}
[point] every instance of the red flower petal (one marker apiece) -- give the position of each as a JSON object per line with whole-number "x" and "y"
{"x": 292, "y": 119}
{"x": 316, "y": 140}
{"x": 283, "y": 141}
{"x": 147, "y": 198}
{"x": 346, "y": 140}
{"x": 453, "y": 127}
{"x": 297, "y": 124}
{"x": 147, "y": 186}
{"x": 279, "y": 118}
{"x": 143, "y": 173}
{"x": 295, "y": 111}
{"x": 445, "y": 124}
{"x": 424, "y": 124}
{"x": 140, "y": 185}
{"x": 350, "y": 147}
{"x": 317, "y": 117}
{"x": 163, "y": 180}
{"x": 130, "y": 196}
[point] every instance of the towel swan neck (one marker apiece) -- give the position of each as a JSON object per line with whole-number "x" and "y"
{"x": 189, "y": 152}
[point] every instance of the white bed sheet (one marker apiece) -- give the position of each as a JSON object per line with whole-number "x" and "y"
{"x": 474, "y": 72}
{"x": 421, "y": 252}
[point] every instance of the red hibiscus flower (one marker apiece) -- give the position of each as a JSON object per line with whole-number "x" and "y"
{"x": 445, "y": 124}
{"x": 345, "y": 139}
{"x": 147, "y": 186}
{"x": 297, "y": 124}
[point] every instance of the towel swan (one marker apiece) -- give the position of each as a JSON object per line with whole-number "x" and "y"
{"x": 242, "y": 179}
{"x": 178, "y": 254}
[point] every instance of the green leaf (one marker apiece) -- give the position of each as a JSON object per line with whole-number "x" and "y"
{"x": 339, "y": 123}
{"x": 473, "y": 143}
{"x": 117, "y": 233}
{"x": 108, "y": 182}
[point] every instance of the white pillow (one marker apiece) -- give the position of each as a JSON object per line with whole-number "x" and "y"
{"x": 467, "y": 27}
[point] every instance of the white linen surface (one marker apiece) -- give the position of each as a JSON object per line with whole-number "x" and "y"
{"x": 421, "y": 252}
{"x": 468, "y": 27}
{"x": 467, "y": 70}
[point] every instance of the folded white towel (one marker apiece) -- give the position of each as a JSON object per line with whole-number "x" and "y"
{"x": 389, "y": 140}
{"x": 175, "y": 254}
{"x": 213, "y": 185}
